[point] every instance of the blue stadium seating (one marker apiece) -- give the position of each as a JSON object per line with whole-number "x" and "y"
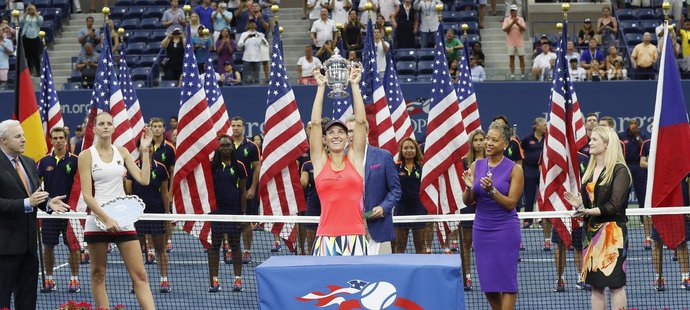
{"x": 468, "y": 16}
{"x": 461, "y": 5}
{"x": 645, "y": 14}
{"x": 453, "y": 26}
{"x": 75, "y": 76}
{"x": 425, "y": 67}
{"x": 449, "y": 17}
{"x": 135, "y": 48}
{"x": 630, "y": 26}
{"x": 3, "y": 4}
{"x": 150, "y": 23}
{"x": 169, "y": 84}
{"x": 71, "y": 86}
{"x": 405, "y": 54}
{"x": 140, "y": 74}
{"x": 237, "y": 58}
{"x": 40, "y": 4}
{"x": 65, "y": 5}
{"x": 158, "y": 35}
{"x": 625, "y": 14}
{"x": 129, "y": 24}
{"x": 471, "y": 38}
{"x": 424, "y": 79}
{"x": 142, "y": 2}
{"x": 649, "y": 26}
{"x": 154, "y": 11}
{"x": 406, "y": 78}
{"x": 139, "y": 84}
{"x": 153, "y": 47}
{"x": 425, "y": 54}
{"x": 139, "y": 36}
{"x": 407, "y": 67}
{"x": 118, "y": 13}
{"x": 136, "y": 12}
{"x": 49, "y": 28}
{"x": 473, "y": 28}
{"x": 633, "y": 39}
{"x": 132, "y": 61}
{"x": 165, "y": 3}
{"x": 124, "y": 3}
{"x": 147, "y": 61}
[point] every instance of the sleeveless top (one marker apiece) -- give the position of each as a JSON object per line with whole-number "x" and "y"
{"x": 490, "y": 215}
{"x": 340, "y": 193}
{"x": 108, "y": 183}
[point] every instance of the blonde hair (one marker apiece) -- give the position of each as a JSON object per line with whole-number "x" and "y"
{"x": 612, "y": 156}
{"x": 471, "y": 157}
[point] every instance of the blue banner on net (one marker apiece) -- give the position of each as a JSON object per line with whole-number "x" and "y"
{"x": 402, "y": 281}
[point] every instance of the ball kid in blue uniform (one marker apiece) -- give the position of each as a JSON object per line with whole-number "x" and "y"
{"x": 57, "y": 171}
{"x": 313, "y": 202}
{"x": 632, "y": 140}
{"x": 163, "y": 152}
{"x": 532, "y": 145}
{"x": 410, "y": 174}
{"x": 229, "y": 187}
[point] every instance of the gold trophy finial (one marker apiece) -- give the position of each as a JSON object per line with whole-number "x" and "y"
{"x": 187, "y": 10}
{"x": 275, "y": 9}
{"x": 439, "y": 8}
{"x": 559, "y": 26}
{"x": 42, "y": 35}
{"x": 280, "y": 29}
{"x": 465, "y": 27}
{"x": 15, "y": 13}
{"x": 565, "y": 7}
{"x": 666, "y": 6}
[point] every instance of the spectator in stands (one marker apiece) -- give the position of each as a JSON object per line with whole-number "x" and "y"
{"x": 325, "y": 52}
{"x": 6, "y": 51}
{"x": 510, "y": 3}
{"x": 478, "y": 74}
{"x": 381, "y": 47}
{"x": 194, "y": 21}
{"x": 225, "y": 47}
{"x": 230, "y": 75}
{"x": 636, "y": 4}
{"x": 203, "y": 46}
{"x": 339, "y": 10}
{"x": 388, "y": 9}
{"x": 33, "y": 48}
{"x": 89, "y": 34}
{"x": 242, "y": 16}
{"x": 322, "y": 29}
{"x": 612, "y": 57}
{"x": 364, "y": 15}
{"x": 259, "y": 18}
{"x": 571, "y": 52}
{"x": 76, "y": 140}
{"x": 87, "y": 64}
{"x": 514, "y": 27}
{"x": 314, "y": 8}
{"x": 590, "y": 54}
{"x": 7, "y": 31}
{"x": 221, "y": 20}
{"x": 660, "y": 37}
{"x": 685, "y": 44}
{"x": 352, "y": 56}
{"x": 429, "y": 23}
{"x": 603, "y": 200}
{"x": 405, "y": 23}
{"x": 114, "y": 36}
{"x": 478, "y": 53}
{"x": 174, "y": 56}
{"x": 536, "y": 47}
{"x": 577, "y": 73}
{"x": 352, "y": 32}
{"x": 607, "y": 27}
{"x": 204, "y": 10}
{"x": 595, "y": 73}
{"x": 410, "y": 175}
{"x": 173, "y": 139}
{"x": 644, "y": 57}
{"x": 453, "y": 45}
{"x": 495, "y": 184}
{"x": 380, "y": 23}
{"x": 305, "y": 66}
{"x": 453, "y": 69}
{"x": 586, "y": 33}
{"x": 173, "y": 126}
{"x": 266, "y": 6}
{"x": 250, "y": 42}
{"x": 542, "y": 62}
{"x": 617, "y": 72}
{"x": 173, "y": 18}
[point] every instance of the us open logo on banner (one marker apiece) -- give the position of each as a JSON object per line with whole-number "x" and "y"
{"x": 361, "y": 295}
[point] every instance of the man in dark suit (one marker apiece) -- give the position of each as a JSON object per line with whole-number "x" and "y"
{"x": 20, "y": 195}
{"x": 381, "y": 193}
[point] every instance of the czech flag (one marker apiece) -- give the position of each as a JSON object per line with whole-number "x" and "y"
{"x": 669, "y": 156}
{"x": 26, "y": 109}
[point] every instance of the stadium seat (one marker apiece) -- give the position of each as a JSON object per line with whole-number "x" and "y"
{"x": 150, "y": 23}
{"x": 75, "y": 76}
{"x": 3, "y": 4}
{"x": 139, "y": 36}
{"x": 136, "y": 12}
{"x": 132, "y": 61}
{"x": 645, "y": 14}
{"x": 660, "y": 13}
{"x": 158, "y": 35}
{"x": 153, "y": 47}
{"x": 124, "y": 3}
{"x": 154, "y": 12}
{"x": 468, "y": 16}
{"x": 625, "y": 14}
{"x": 41, "y": 4}
{"x": 407, "y": 67}
{"x": 130, "y": 24}
{"x": 426, "y": 54}
{"x": 471, "y": 38}
{"x": 160, "y": 2}
{"x": 449, "y": 17}
{"x": 237, "y": 57}
{"x": 406, "y": 78}
{"x": 461, "y": 5}
{"x": 406, "y": 54}
{"x": 633, "y": 39}
{"x": 140, "y": 74}
{"x": 169, "y": 84}
{"x": 239, "y": 67}
{"x": 49, "y": 28}
{"x": 135, "y": 48}
{"x": 147, "y": 61}
{"x": 649, "y": 26}
{"x": 454, "y": 26}
{"x": 473, "y": 28}
{"x": 65, "y": 5}
{"x": 424, "y": 79}
{"x": 119, "y": 13}
{"x": 425, "y": 67}
{"x": 71, "y": 86}
{"x": 142, "y": 2}
{"x": 139, "y": 84}
{"x": 630, "y": 26}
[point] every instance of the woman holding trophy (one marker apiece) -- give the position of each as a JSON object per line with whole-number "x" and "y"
{"x": 106, "y": 166}
{"x": 339, "y": 176}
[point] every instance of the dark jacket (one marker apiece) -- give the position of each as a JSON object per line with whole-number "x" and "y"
{"x": 611, "y": 198}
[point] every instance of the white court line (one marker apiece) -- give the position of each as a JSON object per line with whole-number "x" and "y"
{"x": 56, "y": 268}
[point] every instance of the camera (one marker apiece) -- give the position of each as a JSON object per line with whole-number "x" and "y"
{"x": 176, "y": 32}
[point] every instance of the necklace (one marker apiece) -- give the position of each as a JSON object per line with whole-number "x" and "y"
{"x": 488, "y": 173}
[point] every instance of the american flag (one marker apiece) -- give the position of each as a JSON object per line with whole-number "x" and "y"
{"x": 136, "y": 120}
{"x": 219, "y": 114}
{"x": 280, "y": 191}
{"x": 565, "y": 135}
{"x": 396, "y": 102}
{"x": 196, "y": 140}
{"x": 381, "y": 131}
{"x": 446, "y": 141}
{"x": 466, "y": 95}
{"x": 105, "y": 97}
{"x": 342, "y": 107}
{"x": 48, "y": 102}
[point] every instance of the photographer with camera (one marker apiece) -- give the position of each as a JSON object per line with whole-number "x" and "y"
{"x": 89, "y": 34}
{"x": 250, "y": 42}
{"x": 174, "y": 48}
{"x": 87, "y": 64}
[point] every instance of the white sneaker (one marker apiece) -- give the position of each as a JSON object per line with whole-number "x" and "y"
{"x": 512, "y": 77}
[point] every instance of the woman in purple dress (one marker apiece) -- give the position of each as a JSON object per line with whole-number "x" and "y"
{"x": 495, "y": 185}
{"x": 225, "y": 46}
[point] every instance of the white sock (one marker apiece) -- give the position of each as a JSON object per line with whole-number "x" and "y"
{"x": 684, "y": 276}
{"x": 467, "y": 276}
{"x": 73, "y": 278}
{"x": 236, "y": 278}
{"x": 164, "y": 279}
{"x": 49, "y": 277}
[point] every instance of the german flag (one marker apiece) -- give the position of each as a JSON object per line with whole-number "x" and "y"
{"x": 26, "y": 109}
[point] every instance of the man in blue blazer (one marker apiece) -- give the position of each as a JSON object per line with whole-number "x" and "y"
{"x": 381, "y": 193}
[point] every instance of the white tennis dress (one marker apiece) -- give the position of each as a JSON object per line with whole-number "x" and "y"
{"x": 108, "y": 184}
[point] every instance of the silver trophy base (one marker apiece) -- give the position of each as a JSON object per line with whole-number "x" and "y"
{"x": 338, "y": 94}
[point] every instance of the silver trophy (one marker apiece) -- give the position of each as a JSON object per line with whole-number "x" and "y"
{"x": 337, "y": 74}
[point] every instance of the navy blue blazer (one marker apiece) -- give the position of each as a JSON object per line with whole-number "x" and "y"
{"x": 381, "y": 188}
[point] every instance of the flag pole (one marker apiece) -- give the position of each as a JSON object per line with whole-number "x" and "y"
{"x": 15, "y": 14}
{"x": 44, "y": 289}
